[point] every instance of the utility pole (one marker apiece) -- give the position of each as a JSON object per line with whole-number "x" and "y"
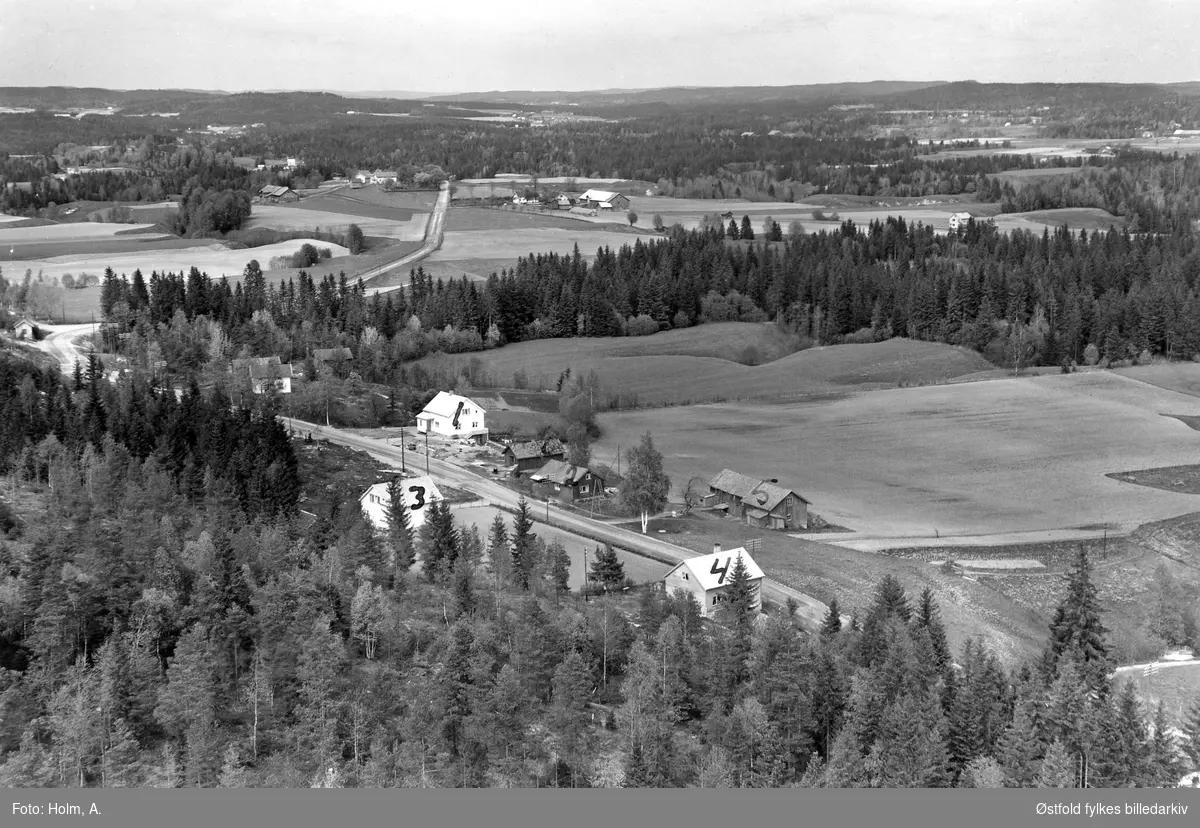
{"x": 618, "y": 459}
{"x": 403, "y": 467}
{"x": 426, "y": 452}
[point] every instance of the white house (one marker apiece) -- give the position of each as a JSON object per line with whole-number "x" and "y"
{"x": 418, "y": 493}
{"x": 451, "y": 415}
{"x": 264, "y": 378}
{"x": 959, "y": 221}
{"x": 707, "y": 577}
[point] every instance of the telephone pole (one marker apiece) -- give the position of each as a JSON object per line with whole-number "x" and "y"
{"x": 426, "y": 452}
{"x": 403, "y": 467}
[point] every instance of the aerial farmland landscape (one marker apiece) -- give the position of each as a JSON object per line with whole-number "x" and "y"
{"x": 638, "y": 418}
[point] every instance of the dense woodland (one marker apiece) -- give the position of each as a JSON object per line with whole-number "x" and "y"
{"x": 1019, "y": 298}
{"x": 170, "y": 622}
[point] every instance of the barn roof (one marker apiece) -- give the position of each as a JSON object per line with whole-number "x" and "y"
{"x": 768, "y": 495}
{"x": 734, "y": 483}
{"x": 599, "y": 195}
{"x": 274, "y": 191}
{"x": 702, "y": 568}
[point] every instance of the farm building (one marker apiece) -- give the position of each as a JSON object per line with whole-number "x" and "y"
{"x": 335, "y": 358}
{"x": 418, "y": 492}
{"x": 533, "y": 455}
{"x": 384, "y": 177}
{"x": 278, "y": 378}
{"x": 451, "y": 415}
{"x": 278, "y": 193}
{"x": 761, "y": 502}
{"x": 959, "y": 221}
{"x": 707, "y": 578}
{"x": 566, "y": 482}
{"x": 604, "y": 200}
{"x": 25, "y": 328}
{"x": 564, "y": 201}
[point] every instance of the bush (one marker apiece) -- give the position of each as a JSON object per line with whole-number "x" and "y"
{"x": 640, "y": 325}
{"x": 681, "y": 320}
{"x": 1091, "y": 354}
{"x": 862, "y": 336}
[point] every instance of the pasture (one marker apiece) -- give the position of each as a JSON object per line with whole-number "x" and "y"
{"x": 473, "y": 219}
{"x": 700, "y": 364}
{"x": 1005, "y": 455}
{"x": 511, "y": 244}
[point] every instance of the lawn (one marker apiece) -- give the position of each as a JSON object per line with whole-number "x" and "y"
{"x": 972, "y": 458}
{"x": 701, "y": 364}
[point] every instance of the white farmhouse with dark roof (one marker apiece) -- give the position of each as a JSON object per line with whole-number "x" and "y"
{"x": 604, "y": 200}
{"x": 958, "y": 221}
{"x": 707, "y": 577}
{"x": 452, "y": 415}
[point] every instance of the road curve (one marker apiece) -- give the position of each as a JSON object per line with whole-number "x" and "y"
{"x": 59, "y": 343}
{"x": 809, "y": 610}
{"x": 435, "y": 232}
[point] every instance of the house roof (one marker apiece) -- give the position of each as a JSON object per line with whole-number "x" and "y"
{"x": 599, "y": 195}
{"x": 272, "y": 190}
{"x": 249, "y": 362}
{"x": 960, "y": 215}
{"x": 330, "y": 354}
{"x": 757, "y": 514}
{"x": 734, "y": 483}
{"x": 536, "y": 448}
{"x": 701, "y": 568}
{"x": 271, "y": 371}
{"x": 446, "y": 404}
{"x": 564, "y": 474}
{"x": 432, "y": 492}
{"x": 25, "y": 320}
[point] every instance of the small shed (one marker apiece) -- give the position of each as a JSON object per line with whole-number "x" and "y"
{"x": 533, "y": 454}
{"x": 26, "y": 328}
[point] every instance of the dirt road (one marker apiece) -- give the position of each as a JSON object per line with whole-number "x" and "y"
{"x": 60, "y": 341}
{"x": 435, "y": 232}
{"x": 810, "y": 611}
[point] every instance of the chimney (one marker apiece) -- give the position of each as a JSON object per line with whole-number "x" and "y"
{"x": 716, "y": 548}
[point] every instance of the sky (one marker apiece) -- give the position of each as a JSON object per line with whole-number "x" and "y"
{"x": 473, "y": 46}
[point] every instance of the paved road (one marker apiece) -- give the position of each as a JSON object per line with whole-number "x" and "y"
{"x": 809, "y": 610}
{"x": 435, "y": 231}
{"x": 60, "y": 344}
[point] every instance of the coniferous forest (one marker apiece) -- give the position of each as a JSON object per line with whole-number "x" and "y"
{"x": 170, "y": 620}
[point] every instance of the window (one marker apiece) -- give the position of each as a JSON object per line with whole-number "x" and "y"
{"x": 685, "y": 577}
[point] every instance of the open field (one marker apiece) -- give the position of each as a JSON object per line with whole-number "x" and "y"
{"x": 975, "y": 458}
{"x": 1076, "y": 218}
{"x": 1183, "y": 377}
{"x": 468, "y": 219}
{"x": 968, "y": 608}
{"x": 214, "y": 259}
{"x": 70, "y": 232}
{"x": 639, "y": 568}
{"x": 510, "y": 244}
{"x": 285, "y": 217}
{"x": 697, "y": 364}
{"x": 1075, "y": 148}
{"x": 416, "y": 201}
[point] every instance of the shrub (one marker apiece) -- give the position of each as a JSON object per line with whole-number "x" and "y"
{"x": 681, "y": 320}
{"x": 1091, "y": 354}
{"x": 862, "y": 336}
{"x": 640, "y": 325}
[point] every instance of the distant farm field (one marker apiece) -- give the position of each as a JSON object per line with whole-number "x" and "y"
{"x": 468, "y": 219}
{"x": 972, "y": 458}
{"x": 1183, "y": 377}
{"x": 302, "y": 217}
{"x": 700, "y": 364}
{"x": 513, "y": 243}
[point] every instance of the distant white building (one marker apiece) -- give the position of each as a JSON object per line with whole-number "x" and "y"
{"x": 451, "y": 415}
{"x": 418, "y": 493}
{"x": 707, "y": 577}
{"x": 604, "y": 200}
{"x": 959, "y": 221}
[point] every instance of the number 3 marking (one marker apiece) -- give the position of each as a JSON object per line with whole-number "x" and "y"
{"x": 420, "y": 490}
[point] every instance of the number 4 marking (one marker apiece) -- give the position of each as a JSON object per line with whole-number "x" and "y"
{"x": 721, "y": 570}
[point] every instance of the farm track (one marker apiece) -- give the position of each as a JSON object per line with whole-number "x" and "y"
{"x": 60, "y": 344}
{"x": 809, "y": 610}
{"x": 435, "y": 233}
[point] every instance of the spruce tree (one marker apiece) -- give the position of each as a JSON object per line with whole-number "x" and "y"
{"x": 1019, "y": 749}
{"x": 399, "y": 529}
{"x": 929, "y": 618}
{"x": 1077, "y": 631}
{"x": 831, "y": 624}
{"x": 1163, "y": 765}
{"x": 1058, "y": 768}
{"x": 747, "y": 231}
{"x": 607, "y": 569}
{"x": 1191, "y": 733}
{"x": 522, "y": 540}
